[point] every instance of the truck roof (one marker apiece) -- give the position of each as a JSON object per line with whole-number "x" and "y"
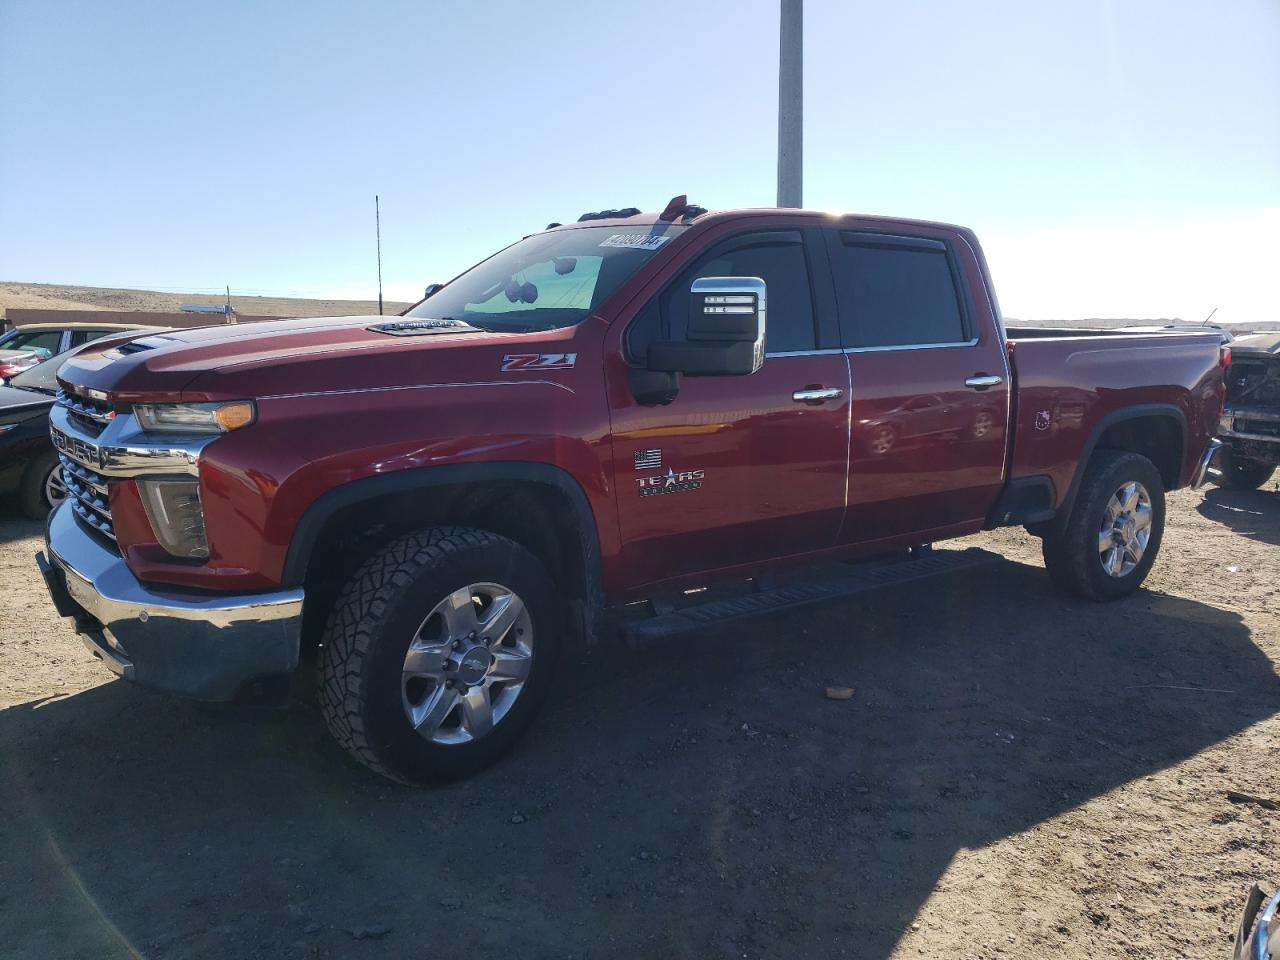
{"x": 734, "y": 213}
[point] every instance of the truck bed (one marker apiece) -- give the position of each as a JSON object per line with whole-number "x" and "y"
{"x": 1071, "y": 386}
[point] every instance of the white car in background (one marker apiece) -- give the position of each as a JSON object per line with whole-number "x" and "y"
{"x": 47, "y": 339}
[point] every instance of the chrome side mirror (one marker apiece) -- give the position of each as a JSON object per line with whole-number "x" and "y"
{"x": 726, "y": 332}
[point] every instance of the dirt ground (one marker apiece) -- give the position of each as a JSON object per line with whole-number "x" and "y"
{"x": 1017, "y": 775}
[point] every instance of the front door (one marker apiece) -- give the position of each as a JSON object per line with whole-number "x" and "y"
{"x": 736, "y": 469}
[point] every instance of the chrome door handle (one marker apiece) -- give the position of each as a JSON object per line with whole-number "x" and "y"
{"x": 817, "y": 394}
{"x": 983, "y": 381}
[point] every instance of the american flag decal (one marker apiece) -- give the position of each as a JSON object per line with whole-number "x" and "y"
{"x": 648, "y": 459}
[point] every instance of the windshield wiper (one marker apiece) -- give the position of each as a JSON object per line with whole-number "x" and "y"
{"x": 469, "y": 323}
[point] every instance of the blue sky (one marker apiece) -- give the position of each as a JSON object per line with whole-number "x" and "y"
{"x": 1118, "y": 157}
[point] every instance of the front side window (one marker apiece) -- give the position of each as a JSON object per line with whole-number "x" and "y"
{"x": 548, "y": 280}
{"x": 895, "y": 291}
{"x": 778, "y": 260}
{"x": 43, "y": 343}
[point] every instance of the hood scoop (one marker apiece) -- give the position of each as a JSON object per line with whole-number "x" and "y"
{"x": 139, "y": 346}
{"x": 420, "y": 328}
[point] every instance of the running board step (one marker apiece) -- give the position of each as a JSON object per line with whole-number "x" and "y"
{"x": 857, "y": 580}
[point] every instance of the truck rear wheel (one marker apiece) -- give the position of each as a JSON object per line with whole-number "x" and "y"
{"x": 438, "y": 654}
{"x": 1237, "y": 473}
{"x": 1112, "y": 536}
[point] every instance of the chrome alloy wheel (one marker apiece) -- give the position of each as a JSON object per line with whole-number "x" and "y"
{"x": 467, "y": 664}
{"x": 55, "y": 487}
{"x": 1126, "y": 529}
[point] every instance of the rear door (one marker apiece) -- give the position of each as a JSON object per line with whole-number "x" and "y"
{"x": 736, "y": 469}
{"x": 929, "y": 384}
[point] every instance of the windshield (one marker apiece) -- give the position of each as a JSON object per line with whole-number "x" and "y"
{"x": 548, "y": 280}
{"x": 43, "y": 376}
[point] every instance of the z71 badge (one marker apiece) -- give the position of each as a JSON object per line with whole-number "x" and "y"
{"x": 538, "y": 361}
{"x": 671, "y": 482}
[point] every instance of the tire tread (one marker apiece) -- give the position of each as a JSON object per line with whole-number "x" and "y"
{"x": 1067, "y": 552}
{"x": 355, "y": 623}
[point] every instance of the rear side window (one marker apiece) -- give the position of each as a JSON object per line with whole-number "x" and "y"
{"x": 897, "y": 291}
{"x": 80, "y": 337}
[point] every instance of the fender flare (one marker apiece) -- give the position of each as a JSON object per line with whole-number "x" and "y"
{"x": 307, "y": 531}
{"x": 1136, "y": 412}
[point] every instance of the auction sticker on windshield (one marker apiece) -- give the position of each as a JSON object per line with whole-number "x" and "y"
{"x": 635, "y": 241}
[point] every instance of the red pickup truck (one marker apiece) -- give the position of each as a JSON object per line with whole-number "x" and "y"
{"x": 618, "y": 409}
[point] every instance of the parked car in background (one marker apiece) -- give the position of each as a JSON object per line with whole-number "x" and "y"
{"x": 29, "y": 467}
{"x": 49, "y": 339}
{"x": 1250, "y": 425}
{"x": 13, "y": 362}
{"x": 28, "y": 464}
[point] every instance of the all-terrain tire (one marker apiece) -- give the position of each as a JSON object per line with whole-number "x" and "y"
{"x": 33, "y": 497}
{"x": 376, "y": 617}
{"x": 1237, "y": 473}
{"x": 1071, "y": 551}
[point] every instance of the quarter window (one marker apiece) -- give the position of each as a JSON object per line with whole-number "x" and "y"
{"x": 895, "y": 291}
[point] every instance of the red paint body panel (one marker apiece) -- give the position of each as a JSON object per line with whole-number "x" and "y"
{"x": 782, "y": 482}
{"x": 1067, "y": 386}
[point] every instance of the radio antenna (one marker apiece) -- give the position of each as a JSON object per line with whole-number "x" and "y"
{"x": 377, "y": 225}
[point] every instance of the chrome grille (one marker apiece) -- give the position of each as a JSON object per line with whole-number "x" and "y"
{"x": 87, "y": 494}
{"x": 92, "y": 416}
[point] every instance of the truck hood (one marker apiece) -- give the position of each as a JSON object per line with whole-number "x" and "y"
{"x": 1257, "y": 345}
{"x": 279, "y": 357}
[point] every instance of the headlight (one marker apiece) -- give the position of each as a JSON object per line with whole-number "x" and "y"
{"x": 204, "y": 419}
{"x": 173, "y": 507}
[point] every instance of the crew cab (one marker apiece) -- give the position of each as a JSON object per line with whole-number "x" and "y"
{"x": 618, "y": 409}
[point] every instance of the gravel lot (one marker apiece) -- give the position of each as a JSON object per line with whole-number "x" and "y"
{"x": 1017, "y": 775}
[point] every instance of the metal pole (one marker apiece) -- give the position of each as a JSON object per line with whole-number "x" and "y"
{"x": 377, "y": 223}
{"x": 791, "y": 104}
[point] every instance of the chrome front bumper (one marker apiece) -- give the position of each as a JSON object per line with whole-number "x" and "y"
{"x": 206, "y": 646}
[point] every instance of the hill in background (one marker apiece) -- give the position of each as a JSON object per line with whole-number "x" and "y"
{"x": 53, "y": 296}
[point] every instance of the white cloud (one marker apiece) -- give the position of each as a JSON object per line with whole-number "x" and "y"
{"x": 1169, "y": 270}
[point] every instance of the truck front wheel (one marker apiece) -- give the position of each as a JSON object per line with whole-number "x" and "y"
{"x": 438, "y": 654}
{"x": 1111, "y": 538}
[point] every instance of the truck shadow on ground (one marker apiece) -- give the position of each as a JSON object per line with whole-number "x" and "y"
{"x": 698, "y": 799}
{"x": 1251, "y": 513}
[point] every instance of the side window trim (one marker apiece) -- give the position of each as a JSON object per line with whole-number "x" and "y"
{"x": 950, "y": 345}
{"x": 863, "y": 238}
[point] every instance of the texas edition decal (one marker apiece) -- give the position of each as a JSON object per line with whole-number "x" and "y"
{"x": 671, "y": 482}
